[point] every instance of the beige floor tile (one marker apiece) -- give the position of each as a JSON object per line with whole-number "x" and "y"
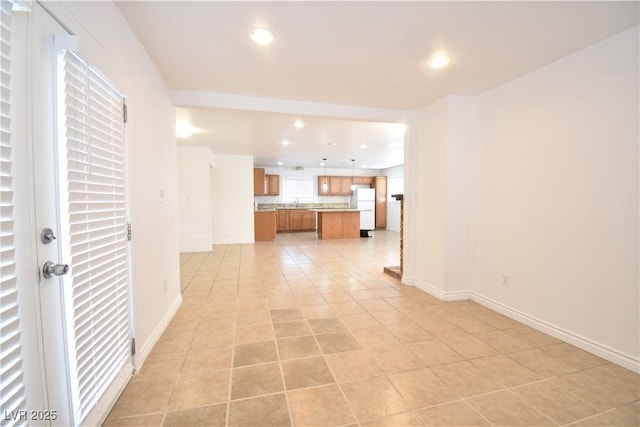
{"x": 394, "y": 358}
{"x": 260, "y": 411}
{"x": 409, "y": 332}
{"x": 506, "y": 371}
{"x": 352, "y": 365}
{"x": 286, "y": 315}
{"x": 143, "y": 397}
{"x": 391, "y": 317}
{"x": 317, "y": 311}
{"x": 503, "y": 408}
{"x": 200, "y": 390}
{"x": 205, "y": 416}
{"x": 222, "y": 338}
{"x": 472, "y": 325}
{"x": 465, "y": 379}
{"x": 359, "y": 321}
{"x": 208, "y": 360}
{"x": 469, "y": 346}
{"x": 172, "y": 343}
{"x": 603, "y": 387}
{"x": 347, "y": 308}
{"x": 319, "y": 406}
{"x": 555, "y": 402}
{"x": 376, "y": 305}
{"x": 627, "y": 415}
{"x": 405, "y": 419}
{"x": 297, "y": 347}
{"x": 326, "y": 325}
{"x": 161, "y": 365}
{"x": 301, "y": 373}
{"x": 503, "y": 341}
{"x": 531, "y": 336}
{"x": 374, "y": 337}
{"x": 433, "y": 352}
{"x": 373, "y": 398}
{"x": 254, "y": 334}
{"x": 153, "y": 420}
{"x": 542, "y": 363}
{"x": 252, "y": 318}
{"x": 256, "y": 380}
{"x": 422, "y": 388}
{"x": 337, "y": 342}
{"x": 458, "y": 413}
{"x": 237, "y": 296}
{"x": 254, "y": 353}
{"x": 294, "y": 328}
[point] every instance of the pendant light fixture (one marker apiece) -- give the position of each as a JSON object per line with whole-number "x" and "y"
{"x": 353, "y": 172}
{"x": 325, "y": 187}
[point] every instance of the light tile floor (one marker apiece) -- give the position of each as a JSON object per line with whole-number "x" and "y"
{"x": 312, "y": 333}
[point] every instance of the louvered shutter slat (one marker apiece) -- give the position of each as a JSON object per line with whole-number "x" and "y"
{"x": 94, "y": 156}
{"x": 12, "y": 387}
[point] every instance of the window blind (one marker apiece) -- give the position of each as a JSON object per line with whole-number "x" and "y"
{"x": 12, "y": 389}
{"x": 93, "y": 194}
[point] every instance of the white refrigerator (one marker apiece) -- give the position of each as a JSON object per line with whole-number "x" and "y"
{"x": 364, "y": 199}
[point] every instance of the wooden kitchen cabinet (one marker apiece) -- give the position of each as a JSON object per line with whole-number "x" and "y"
{"x": 302, "y": 220}
{"x": 258, "y": 182}
{"x": 282, "y": 220}
{"x": 264, "y": 225}
{"x": 380, "y": 184}
{"x": 336, "y": 185}
{"x": 345, "y": 185}
{"x": 272, "y": 184}
{"x": 363, "y": 180}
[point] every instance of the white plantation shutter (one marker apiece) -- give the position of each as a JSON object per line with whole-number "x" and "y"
{"x": 94, "y": 213}
{"x": 12, "y": 392}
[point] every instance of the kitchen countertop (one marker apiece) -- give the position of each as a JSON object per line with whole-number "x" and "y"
{"x": 335, "y": 210}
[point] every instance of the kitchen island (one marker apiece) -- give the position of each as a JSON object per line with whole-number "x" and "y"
{"x": 338, "y": 223}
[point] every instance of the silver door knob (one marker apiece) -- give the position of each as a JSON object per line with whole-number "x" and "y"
{"x": 49, "y": 269}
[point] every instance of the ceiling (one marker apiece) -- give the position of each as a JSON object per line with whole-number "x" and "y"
{"x": 365, "y": 54}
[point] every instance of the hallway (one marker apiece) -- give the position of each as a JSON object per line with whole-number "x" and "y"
{"x": 306, "y": 332}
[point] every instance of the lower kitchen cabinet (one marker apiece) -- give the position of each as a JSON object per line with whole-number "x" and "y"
{"x": 264, "y": 225}
{"x": 296, "y": 220}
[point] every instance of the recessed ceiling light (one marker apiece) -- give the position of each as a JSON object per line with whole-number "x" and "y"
{"x": 363, "y": 145}
{"x": 262, "y": 36}
{"x": 438, "y": 61}
{"x": 285, "y": 142}
{"x": 183, "y": 129}
{"x": 279, "y": 163}
{"x": 333, "y": 144}
{"x": 298, "y": 124}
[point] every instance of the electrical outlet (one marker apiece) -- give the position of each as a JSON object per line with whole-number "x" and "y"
{"x": 505, "y": 280}
{"x": 165, "y": 286}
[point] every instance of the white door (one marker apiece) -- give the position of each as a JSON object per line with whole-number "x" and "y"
{"x": 80, "y": 195}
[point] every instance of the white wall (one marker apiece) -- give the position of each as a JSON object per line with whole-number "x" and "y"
{"x": 232, "y": 199}
{"x": 106, "y": 38}
{"x": 194, "y": 199}
{"x": 395, "y": 185}
{"x": 537, "y": 180}
{"x": 557, "y": 195}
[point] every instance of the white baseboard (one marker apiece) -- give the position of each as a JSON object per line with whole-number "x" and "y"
{"x": 189, "y": 249}
{"x": 143, "y": 352}
{"x": 586, "y": 344}
{"x": 433, "y": 291}
{"x": 233, "y": 241}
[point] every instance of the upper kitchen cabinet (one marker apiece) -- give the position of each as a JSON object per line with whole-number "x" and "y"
{"x": 258, "y": 182}
{"x": 272, "y": 184}
{"x": 336, "y": 185}
{"x": 380, "y": 184}
{"x": 265, "y": 185}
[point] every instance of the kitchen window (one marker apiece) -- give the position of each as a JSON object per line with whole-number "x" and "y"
{"x": 298, "y": 190}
